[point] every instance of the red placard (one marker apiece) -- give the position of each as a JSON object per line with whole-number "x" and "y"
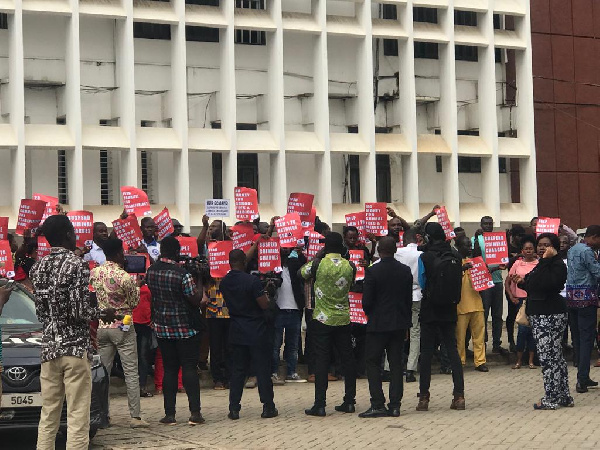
{"x": 356, "y": 256}
{"x": 3, "y": 228}
{"x": 83, "y": 223}
{"x": 315, "y": 244}
{"x": 481, "y": 278}
{"x": 51, "y": 204}
{"x": 189, "y": 246}
{"x": 400, "y": 242}
{"x": 218, "y": 258}
{"x": 303, "y": 205}
{"x": 43, "y": 247}
{"x": 289, "y": 230}
{"x": 496, "y": 248}
{"x": 7, "y": 266}
{"x": 376, "y": 219}
{"x": 444, "y": 221}
{"x": 242, "y": 236}
{"x": 547, "y": 225}
{"x": 310, "y": 222}
{"x": 269, "y": 255}
{"x": 357, "y": 315}
{"x": 135, "y": 201}
{"x": 30, "y": 215}
{"x": 128, "y": 231}
{"x": 246, "y": 203}
{"x": 164, "y": 224}
{"x": 358, "y": 220}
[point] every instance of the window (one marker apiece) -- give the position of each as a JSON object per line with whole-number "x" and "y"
{"x": 383, "y": 178}
{"x": 249, "y": 37}
{"x": 469, "y": 164}
{"x": 247, "y": 170}
{"x": 354, "y": 174}
{"x": 497, "y": 25}
{"x": 201, "y": 34}
{"x": 467, "y": 18}
{"x": 63, "y": 187}
{"x": 428, "y": 15}
{"x": 105, "y": 178}
{"x": 146, "y": 161}
{"x": 3, "y": 21}
{"x": 426, "y": 50}
{"x": 202, "y": 2}
{"x": 217, "y": 174}
{"x": 466, "y": 53}
{"x": 390, "y": 46}
{"x": 144, "y": 30}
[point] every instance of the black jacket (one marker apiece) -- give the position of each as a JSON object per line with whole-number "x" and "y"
{"x": 387, "y": 296}
{"x": 430, "y": 312}
{"x": 294, "y": 265}
{"x": 543, "y": 286}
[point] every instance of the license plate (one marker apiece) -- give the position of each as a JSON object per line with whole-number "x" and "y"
{"x": 21, "y": 400}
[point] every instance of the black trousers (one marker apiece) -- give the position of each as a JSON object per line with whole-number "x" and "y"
{"x": 323, "y": 337}
{"x": 391, "y": 342}
{"x": 309, "y": 353}
{"x": 251, "y": 358}
{"x": 510, "y": 320}
{"x": 183, "y": 353}
{"x": 144, "y": 342}
{"x": 220, "y": 355}
{"x": 359, "y": 339}
{"x": 447, "y": 333}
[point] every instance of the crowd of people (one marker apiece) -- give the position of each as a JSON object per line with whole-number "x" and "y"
{"x": 174, "y": 319}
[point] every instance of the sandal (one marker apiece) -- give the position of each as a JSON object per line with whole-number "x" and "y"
{"x": 531, "y": 366}
{"x": 517, "y": 366}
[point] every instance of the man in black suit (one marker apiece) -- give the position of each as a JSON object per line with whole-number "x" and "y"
{"x": 387, "y": 302}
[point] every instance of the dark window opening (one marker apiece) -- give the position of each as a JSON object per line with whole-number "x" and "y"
{"x": 217, "y": 175}
{"x": 428, "y": 15}
{"x": 3, "y": 21}
{"x": 250, "y": 37}
{"x": 389, "y": 12}
{"x": 383, "y": 178}
{"x": 466, "y": 18}
{"x": 497, "y": 24}
{"x": 63, "y": 187}
{"x": 201, "y": 34}
{"x": 390, "y": 47}
{"x": 466, "y": 53}
{"x": 498, "y": 55}
{"x": 246, "y": 126}
{"x": 105, "y": 178}
{"x": 354, "y": 169}
{"x": 144, "y": 30}
{"x": 469, "y": 164}
{"x": 146, "y": 162}
{"x": 247, "y": 170}
{"x": 426, "y": 50}
{"x": 202, "y": 2}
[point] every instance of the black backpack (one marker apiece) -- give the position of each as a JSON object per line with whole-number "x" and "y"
{"x": 444, "y": 280}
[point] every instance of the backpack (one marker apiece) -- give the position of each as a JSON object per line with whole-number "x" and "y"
{"x": 444, "y": 281}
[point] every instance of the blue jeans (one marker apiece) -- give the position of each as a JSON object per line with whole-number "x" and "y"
{"x": 525, "y": 338}
{"x": 290, "y": 321}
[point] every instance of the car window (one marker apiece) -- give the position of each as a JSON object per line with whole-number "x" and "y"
{"x": 19, "y": 309}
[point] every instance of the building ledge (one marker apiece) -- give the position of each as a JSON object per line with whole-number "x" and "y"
{"x": 471, "y": 5}
{"x": 429, "y": 32}
{"x": 101, "y": 138}
{"x": 204, "y": 16}
{"x": 153, "y": 12}
{"x": 392, "y": 143}
{"x": 473, "y": 212}
{"x": 510, "y": 7}
{"x": 508, "y": 39}
{"x": 207, "y": 139}
{"x": 253, "y": 19}
{"x": 464, "y": 35}
{"x": 7, "y": 6}
{"x": 385, "y": 28}
{"x": 473, "y": 146}
{"x": 347, "y": 143}
{"x": 157, "y": 139}
{"x": 344, "y": 26}
{"x": 60, "y": 7}
{"x": 442, "y": 4}
{"x": 300, "y": 22}
{"x": 256, "y": 141}
{"x": 303, "y": 142}
{"x": 515, "y": 213}
{"x": 512, "y": 147}
{"x": 108, "y": 8}
{"x": 432, "y": 144}
{"x": 8, "y": 138}
{"x": 48, "y": 136}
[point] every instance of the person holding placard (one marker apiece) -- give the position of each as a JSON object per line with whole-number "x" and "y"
{"x": 95, "y": 252}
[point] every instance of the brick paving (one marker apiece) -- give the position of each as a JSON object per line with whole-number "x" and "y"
{"x": 499, "y": 415}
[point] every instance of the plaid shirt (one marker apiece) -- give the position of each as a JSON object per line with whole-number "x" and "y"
{"x": 170, "y": 286}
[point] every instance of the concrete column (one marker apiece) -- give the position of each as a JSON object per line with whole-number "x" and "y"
{"x": 17, "y": 103}
{"x": 179, "y": 111}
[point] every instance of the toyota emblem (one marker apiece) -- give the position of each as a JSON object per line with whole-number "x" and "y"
{"x": 16, "y": 373}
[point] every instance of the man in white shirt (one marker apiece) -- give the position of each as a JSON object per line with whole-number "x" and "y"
{"x": 409, "y": 256}
{"x": 149, "y": 232}
{"x": 96, "y": 253}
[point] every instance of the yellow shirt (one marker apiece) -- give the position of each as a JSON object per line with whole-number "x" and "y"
{"x": 470, "y": 300}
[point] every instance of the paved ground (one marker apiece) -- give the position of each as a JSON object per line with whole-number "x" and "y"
{"x": 499, "y": 414}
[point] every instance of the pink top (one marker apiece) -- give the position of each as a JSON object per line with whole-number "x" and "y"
{"x": 521, "y": 268}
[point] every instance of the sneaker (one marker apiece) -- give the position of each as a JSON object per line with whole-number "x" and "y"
{"x": 168, "y": 420}
{"x": 269, "y": 412}
{"x": 482, "y": 368}
{"x": 591, "y": 383}
{"x": 276, "y": 380}
{"x": 219, "y": 386}
{"x": 138, "y": 422}
{"x": 251, "y": 383}
{"x": 196, "y": 419}
{"x": 410, "y": 376}
{"x": 146, "y": 394}
{"x": 294, "y": 378}
{"x": 499, "y": 350}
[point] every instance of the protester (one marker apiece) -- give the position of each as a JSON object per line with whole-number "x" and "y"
{"x": 440, "y": 277}
{"x": 142, "y": 321}
{"x": 176, "y": 300}
{"x": 249, "y": 337}
{"x": 95, "y": 252}
{"x": 291, "y": 301}
{"x": 159, "y": 374}
{"x": 565, "y": 245}
{"x": 330, "y": 324}
{"x": 4, "y": 297}
{"x": 492, "y": 298}
{"x": 409, "y": 255}
{"x": 514, "y": 235}
{"x": 150, "y": 243}
{"x": 517, "y": 296}
{"x": 25, "y": 258}
{"x": 582, "y": 300}
{"x": 117, "y": 291}
{"x": 65, "y": 310}
{"x": 547, "y": 314}
{"x": 470, "y": 311}
{"x": 387, "y": 302}
{"x": 178, "y": 229}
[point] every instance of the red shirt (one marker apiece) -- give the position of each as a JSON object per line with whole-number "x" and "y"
{"x": 142, "y": 312}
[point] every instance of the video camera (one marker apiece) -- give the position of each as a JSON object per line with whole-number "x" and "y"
{"x": 197, "y": 267}
{"x": 271, "y": 282}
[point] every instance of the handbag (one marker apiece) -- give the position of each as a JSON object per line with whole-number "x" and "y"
{"x": 522, "y": 318}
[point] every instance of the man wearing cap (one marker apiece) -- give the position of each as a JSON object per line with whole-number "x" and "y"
{"x": 178, "y": 229}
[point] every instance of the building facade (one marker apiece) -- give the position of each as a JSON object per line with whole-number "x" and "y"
{"x": 566, "y": 69}
{"x": 411, "y": 102}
